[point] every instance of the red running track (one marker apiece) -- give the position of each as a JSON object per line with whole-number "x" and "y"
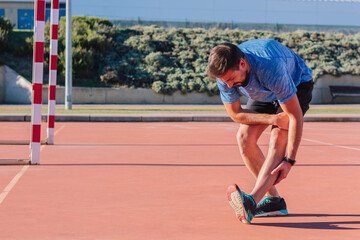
{"x": 169, "y": 180}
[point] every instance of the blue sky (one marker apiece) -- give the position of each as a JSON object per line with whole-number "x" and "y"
{"x": 318, "y": 12}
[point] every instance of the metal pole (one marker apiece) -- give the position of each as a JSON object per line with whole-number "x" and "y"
{"x": 54, "y": 23}
{"x": 68, "y": 57}
{"x": 37, "y": 79}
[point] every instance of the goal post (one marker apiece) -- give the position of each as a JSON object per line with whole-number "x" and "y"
{"x": 37, "y": 80}
{"x": 54, "y": 26}
{"x": 35, "y": 141}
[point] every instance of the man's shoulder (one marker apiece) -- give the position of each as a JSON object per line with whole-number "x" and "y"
{"x": 259, "y": 44}
{"x": 266, "y": 48}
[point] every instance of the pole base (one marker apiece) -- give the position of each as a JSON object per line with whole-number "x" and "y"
{"x": 14, "y": 161}
{"x": 19, "y": 142}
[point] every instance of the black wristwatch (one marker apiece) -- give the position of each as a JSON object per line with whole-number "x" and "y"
{"x": 292, "y": 162}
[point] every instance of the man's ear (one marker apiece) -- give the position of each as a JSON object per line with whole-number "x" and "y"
{"x": 242, "y": 63}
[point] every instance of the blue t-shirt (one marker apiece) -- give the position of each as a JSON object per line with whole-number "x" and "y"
{"x": 275, "y": 71}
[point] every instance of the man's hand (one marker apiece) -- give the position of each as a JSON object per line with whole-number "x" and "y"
{"x": 282, "y": 121}
{"x": 282, "y": 171}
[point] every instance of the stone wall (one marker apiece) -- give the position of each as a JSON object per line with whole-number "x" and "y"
{"x": 321, "y": 93}
{"x": 2, "y": 82}
{"x": 82, "y": 95}
{"x": 14, "y": 89}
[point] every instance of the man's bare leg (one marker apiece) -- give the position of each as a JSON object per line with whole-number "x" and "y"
{"x": 252, "y": 155}
{"x": 277, "y": 147}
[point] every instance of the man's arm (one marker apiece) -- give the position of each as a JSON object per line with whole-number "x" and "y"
{"x": 245, "y": 116}
{"x": 296, "y": 120}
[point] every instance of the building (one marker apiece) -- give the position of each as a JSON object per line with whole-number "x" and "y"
{"x": 21, "y": 12}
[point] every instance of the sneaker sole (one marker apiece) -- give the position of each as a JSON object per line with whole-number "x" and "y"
{"x": 273, "y": 214}
{"x": 236, "y": 202}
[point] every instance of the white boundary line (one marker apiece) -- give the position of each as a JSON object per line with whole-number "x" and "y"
{"x": 12, "y": 183}
{"x": 57, "y": 131}
{"x": 331, "y": 144}
{"x": 315, "y": 141}
{"x": 10, "y": 186}
{"x": 324, "y": 143}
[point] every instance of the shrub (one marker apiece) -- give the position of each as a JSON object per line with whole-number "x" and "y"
{"x": 5, "y": 31}
{"x": 170, "y": 59}
{"x": 176, "y": 59}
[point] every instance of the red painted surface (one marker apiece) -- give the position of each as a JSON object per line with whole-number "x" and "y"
{"x": 37, "y": 98}
{"x": 169, "y": 181}
{"x": 51, "y": 121}
{"x": 40, "y": 10}
{"x": 53, "y": 62}
{"x": 39, "y": 52}
{"x": 55, "y": 4}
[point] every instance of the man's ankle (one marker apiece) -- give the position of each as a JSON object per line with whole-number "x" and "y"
{"x": 272, "y": 195}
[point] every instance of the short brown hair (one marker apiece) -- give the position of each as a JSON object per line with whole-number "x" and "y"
{"x": 223, "y": 57}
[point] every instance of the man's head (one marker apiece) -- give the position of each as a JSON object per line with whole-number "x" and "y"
{"x": 228, "y": 63}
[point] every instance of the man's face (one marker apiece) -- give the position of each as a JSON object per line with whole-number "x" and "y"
{"x": 236, "y": 77}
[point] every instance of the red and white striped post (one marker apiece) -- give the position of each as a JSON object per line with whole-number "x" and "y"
{"x": 37, "y": 77}
{"x": 54, "y": 25}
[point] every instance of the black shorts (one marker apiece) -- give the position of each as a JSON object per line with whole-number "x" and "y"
{"x": 304, "y": 94}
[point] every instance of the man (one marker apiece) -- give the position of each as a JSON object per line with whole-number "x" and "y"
{"x": 279, "y": 87}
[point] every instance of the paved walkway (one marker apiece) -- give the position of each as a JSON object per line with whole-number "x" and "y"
{"x": 166, "y": 113}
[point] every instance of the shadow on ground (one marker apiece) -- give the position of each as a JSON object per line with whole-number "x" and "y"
{"x": 335, "y": 225}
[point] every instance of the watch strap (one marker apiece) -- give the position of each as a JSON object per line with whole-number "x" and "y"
{"x": 292, "y": 162}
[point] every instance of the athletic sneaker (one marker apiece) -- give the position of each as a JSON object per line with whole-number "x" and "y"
{"x": 243, "y": 204}
{"x": 271, "y": 206}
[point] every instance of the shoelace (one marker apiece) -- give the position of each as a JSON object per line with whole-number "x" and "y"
{"x": 263, "y": 203}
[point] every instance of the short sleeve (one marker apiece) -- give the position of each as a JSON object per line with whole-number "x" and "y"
{"x": 228, "y": 95}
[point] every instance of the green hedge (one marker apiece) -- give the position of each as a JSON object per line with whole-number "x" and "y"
{"x": 175, "y": 59}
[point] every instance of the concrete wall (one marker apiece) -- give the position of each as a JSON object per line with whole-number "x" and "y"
{"x": 321, "y": 93}
{"x": 2, "y": 84}
{"x": 14, "y": 89}
{"x": 82, "y": 95}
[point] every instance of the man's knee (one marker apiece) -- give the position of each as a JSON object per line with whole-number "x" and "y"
{"x": 245, "y": 140}
{"x": 278, "y": 134}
